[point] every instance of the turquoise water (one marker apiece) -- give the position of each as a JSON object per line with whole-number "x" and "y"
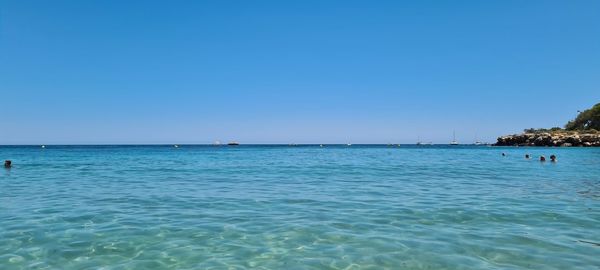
{"x": 303, "y": 207}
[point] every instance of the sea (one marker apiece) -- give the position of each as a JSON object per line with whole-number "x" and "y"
{"x": 299, "y": 207}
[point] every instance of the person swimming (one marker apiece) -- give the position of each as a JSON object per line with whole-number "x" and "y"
{"x": 542, "y": 158}
{"x": 7, "y": 164}
{"x": 503, "y": 154}
{"x": 527, "y": 156}
{"x": 553, "y": 158}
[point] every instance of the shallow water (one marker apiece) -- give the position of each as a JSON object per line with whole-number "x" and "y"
{"x": 303, "y": 207}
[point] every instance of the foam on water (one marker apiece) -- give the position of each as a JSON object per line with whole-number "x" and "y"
{"x": 281, "y": 207}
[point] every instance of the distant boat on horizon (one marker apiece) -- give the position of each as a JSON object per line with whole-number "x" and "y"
{"x": 233, "y": 143}
{"x": 454, "y": 142}
{"x": 477, "y": 141}
{"x": 419, "y": 142}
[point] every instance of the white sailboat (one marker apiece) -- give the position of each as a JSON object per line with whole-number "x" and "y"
{"x": 454, "y": 142}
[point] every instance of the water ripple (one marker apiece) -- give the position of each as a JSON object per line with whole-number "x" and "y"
{"x": 281, "y": 207}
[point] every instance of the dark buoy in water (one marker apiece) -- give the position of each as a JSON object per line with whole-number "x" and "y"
{"x": 542, "y": 158}
{"x": 7, "y": 164}
{"x": 553, "y": 158}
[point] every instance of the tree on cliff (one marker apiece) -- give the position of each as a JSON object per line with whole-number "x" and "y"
{"x": 588, "y": 119}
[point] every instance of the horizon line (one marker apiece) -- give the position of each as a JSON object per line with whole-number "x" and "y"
{"x": 225, "y": 144}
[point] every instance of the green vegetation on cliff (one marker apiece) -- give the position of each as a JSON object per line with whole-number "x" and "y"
{"x": 582, "y": 131}
{"x": 586, "y": 120}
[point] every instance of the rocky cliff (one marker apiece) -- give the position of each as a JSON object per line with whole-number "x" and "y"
{"x": 551, "y": 139}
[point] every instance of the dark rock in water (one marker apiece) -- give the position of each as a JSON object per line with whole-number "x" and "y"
{"x": 564, "y": 139}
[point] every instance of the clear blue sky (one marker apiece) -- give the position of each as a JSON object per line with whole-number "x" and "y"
{"x": 292, "y": 71}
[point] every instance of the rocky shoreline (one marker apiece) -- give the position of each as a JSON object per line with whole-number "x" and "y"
{"x": 566, "y": 139}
